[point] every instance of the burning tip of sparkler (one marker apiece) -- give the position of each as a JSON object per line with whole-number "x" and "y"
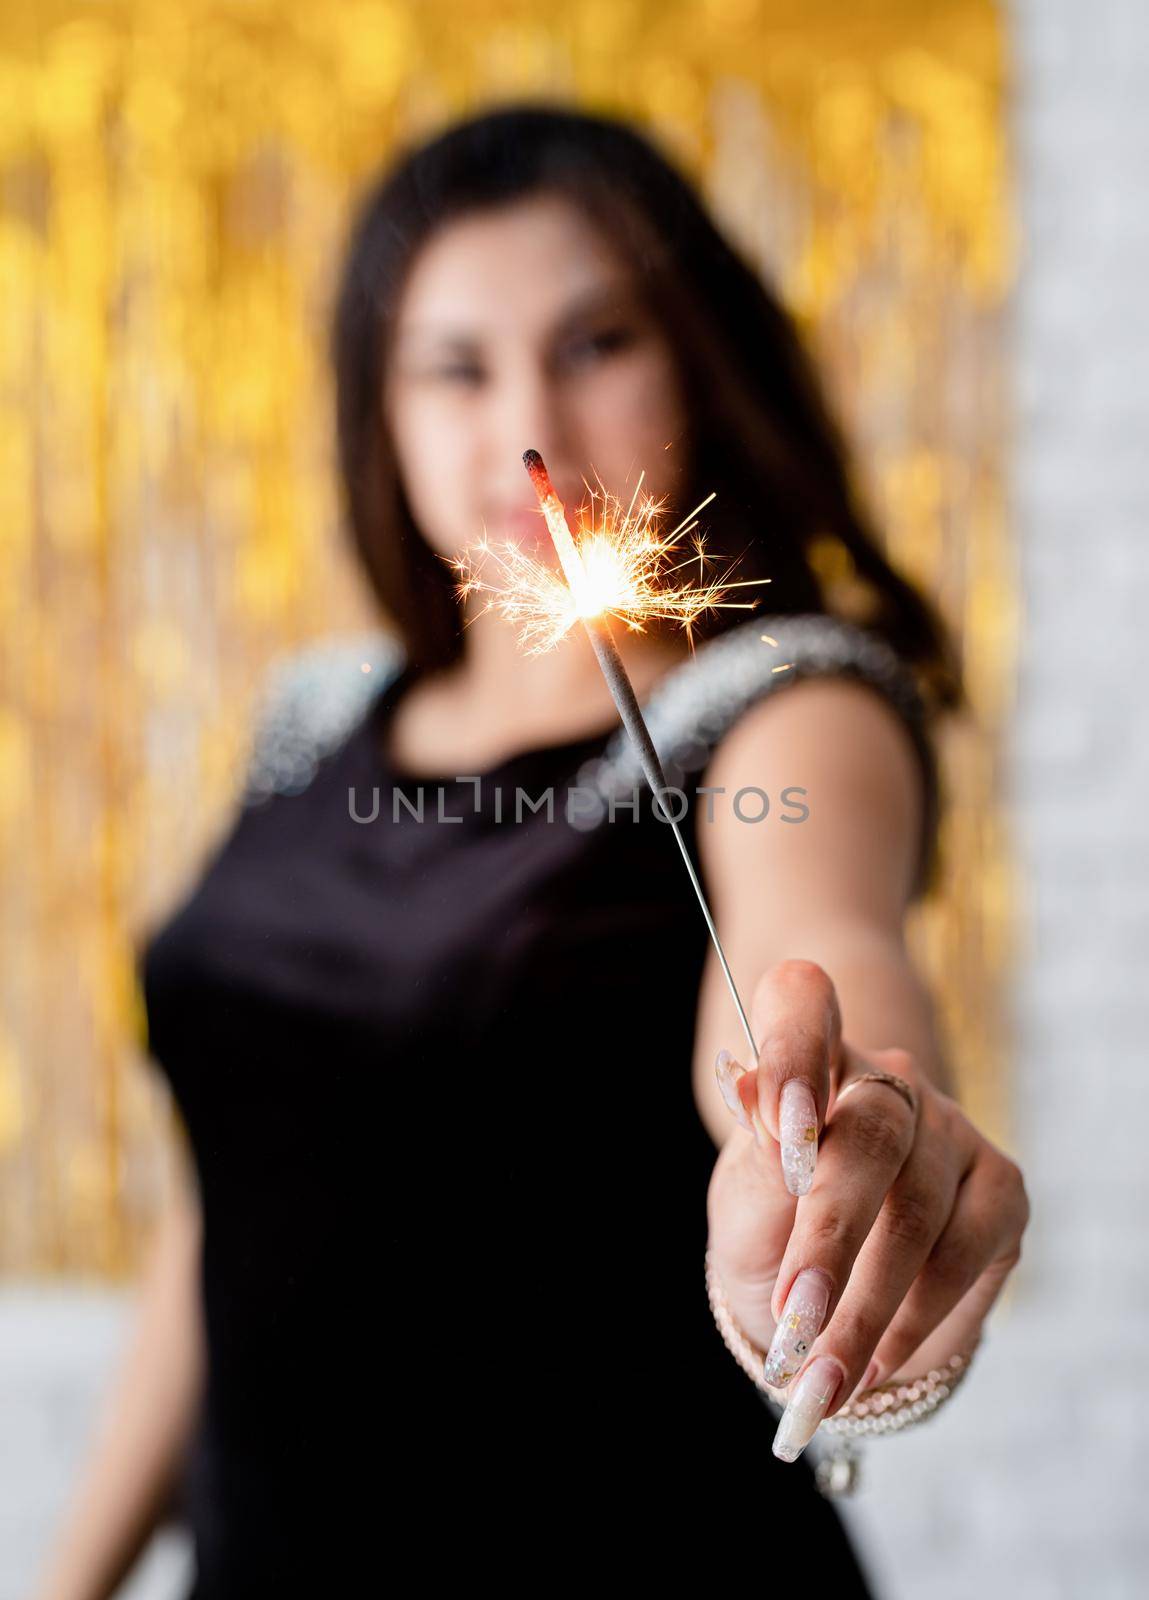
{"x": 540, "y": 477}
{"x": 615, "y": 561}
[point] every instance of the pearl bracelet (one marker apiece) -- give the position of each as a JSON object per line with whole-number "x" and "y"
{"x": 885, "y": 1408}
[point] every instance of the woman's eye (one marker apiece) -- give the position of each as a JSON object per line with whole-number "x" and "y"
{"x": 605, "y": 342}
{"x": 459, "y": 374}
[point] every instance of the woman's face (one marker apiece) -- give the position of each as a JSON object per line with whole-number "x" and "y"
{"x": 520, "y": 328}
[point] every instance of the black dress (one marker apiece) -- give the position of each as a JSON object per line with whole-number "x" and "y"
{"x": 436, "y": 1075}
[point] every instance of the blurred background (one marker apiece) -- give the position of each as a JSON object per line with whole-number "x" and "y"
{"x": 949, "y": 195}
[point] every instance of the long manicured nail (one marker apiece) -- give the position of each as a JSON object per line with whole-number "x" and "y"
{"x": 798, "y": 1127}
{"x": 810, "y": 1399}
{"x": 729, "y": 1072}
{"x": 798, "y": 1327}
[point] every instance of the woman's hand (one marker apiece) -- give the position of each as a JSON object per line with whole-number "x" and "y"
{"x": 875, "y": 1250}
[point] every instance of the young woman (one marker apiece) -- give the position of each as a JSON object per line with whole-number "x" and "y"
{"x": 461, "y": 1086}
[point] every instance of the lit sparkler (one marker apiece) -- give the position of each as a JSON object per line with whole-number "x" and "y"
{"x": 622, "y": 566}
{"x": 619, "y": 568}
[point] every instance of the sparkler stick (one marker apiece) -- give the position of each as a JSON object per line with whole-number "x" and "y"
{"x": 597, "y": 626}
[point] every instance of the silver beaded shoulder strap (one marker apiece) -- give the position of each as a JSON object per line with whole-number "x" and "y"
{"x": 311, "y": 701}
{"x": 691, "y": 708}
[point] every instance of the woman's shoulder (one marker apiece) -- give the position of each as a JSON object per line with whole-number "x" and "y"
{"x": 697, "y": 703}
{"x": 310, "y": 702}
{"x": 718, "y": 695}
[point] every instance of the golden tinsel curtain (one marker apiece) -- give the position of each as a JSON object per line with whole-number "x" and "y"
{"x": 174, "y": 182}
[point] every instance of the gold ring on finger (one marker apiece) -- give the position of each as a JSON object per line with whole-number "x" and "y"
{"x": 896, "y": 1083}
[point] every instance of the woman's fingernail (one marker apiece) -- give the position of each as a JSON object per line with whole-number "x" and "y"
{"x": 798, "y": 1127}
{"x": 798, "y": 1327}
{"x": 728, "y": 1072}
{"x": 810, "y": 1399}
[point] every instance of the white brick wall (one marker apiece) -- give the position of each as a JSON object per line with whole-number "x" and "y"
{"x": 1022, "y": 1488}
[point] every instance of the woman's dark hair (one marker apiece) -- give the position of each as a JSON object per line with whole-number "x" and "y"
{"x": 761, "y": 434}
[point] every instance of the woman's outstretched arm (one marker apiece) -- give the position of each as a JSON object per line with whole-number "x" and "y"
{"x": 131, "y": 1471}
{"x": 881, "y": 1224}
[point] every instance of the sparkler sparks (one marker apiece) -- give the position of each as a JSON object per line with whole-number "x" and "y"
{"x": 622, "y": 566}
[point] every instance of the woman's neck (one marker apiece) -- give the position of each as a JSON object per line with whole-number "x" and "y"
{"x": 498, "y": 698}
{"x": 567, "y": 679}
